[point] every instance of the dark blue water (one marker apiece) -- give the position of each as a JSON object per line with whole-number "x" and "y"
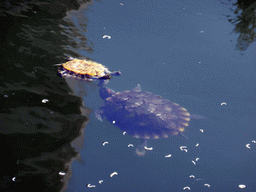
{"x": 185, "y": 51}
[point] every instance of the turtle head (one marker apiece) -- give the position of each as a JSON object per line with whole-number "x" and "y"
{"x": 116, "y": 73}
{"x": 106, "y": 92}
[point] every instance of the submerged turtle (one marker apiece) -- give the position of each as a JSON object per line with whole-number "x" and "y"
{"x": 85, "y": 70}
{"x": 143, "y": 114}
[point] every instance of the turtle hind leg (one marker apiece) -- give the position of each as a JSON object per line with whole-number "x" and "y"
{"x": 140, "y": 150}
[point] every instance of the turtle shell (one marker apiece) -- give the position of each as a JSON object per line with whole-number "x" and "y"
{"x": 86, "y": 70}
{"x": 143, "y": 114}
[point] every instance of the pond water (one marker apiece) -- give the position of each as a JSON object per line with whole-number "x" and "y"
{"x": 185, "y": 51}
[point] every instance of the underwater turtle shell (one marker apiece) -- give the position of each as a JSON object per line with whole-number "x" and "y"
{"x": 143, "y": 114}
{"x": 85, "y": 70}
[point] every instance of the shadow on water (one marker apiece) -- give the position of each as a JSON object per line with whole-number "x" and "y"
{"x": 40, "y": 119}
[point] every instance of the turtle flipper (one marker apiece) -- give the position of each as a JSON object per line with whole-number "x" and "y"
{"x": 98, "y": 116}
{"x": 137, "y": 88}
{"x": 103, "y": 82}
{"x": 140, "y": 150}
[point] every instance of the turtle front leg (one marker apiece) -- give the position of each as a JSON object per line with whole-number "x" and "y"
{"x": 140, "y": 150}
{"x": 103, "y": 82}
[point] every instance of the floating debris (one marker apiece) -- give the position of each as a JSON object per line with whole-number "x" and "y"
{"x": 148, "y": 148}
{"x": 183, "y": 148}
{"x": 113, "y": 174}
{"x": 207, "y": 185}
{"x": 62, "y": 173}
{"x": 45, "y": 100}
{"x": 130, "y": 145}
{"x": 106, "y": 36}
{"x": 241, "y": 186}
{"x": 90, "y": 186}
{"x": 167, "y": 156}
{"x": 248, "y": 146}
{"x": 186, "y": 188}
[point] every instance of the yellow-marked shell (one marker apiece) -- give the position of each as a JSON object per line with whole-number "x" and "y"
{"x": 85, "y": 70}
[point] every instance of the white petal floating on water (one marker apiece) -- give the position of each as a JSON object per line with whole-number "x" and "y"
{"x": 168, "y": 156}
{"x": 130, "y": 145}
{"x": 186, "y": 188}
{"x": 197, "y": 159}
{"x": 90, "y": 186}
{"x": 207, "y": 185}
{"x": 62, "y": 173}
{"x": 148, "y": 148}
{"x": 104, "y": 143}
{"x": 114, "y": 173}
{"x": 223, "y": 103}
{"x": 201, "y": 130}
{"x": 106, "y": 36}
{"x": 241, "y": 186}
{"x": 114, "y": 122}
{"x": 124, "y": 133}
{"x": 253, "y": 141}
{"x": 197, "y": 144}
{"x": 45, "y": 100}
{"x": 193, "y": 162}
{"x": 121, "y": 3}
{"x": 182, "y": 148}
{"x": 192, "y": 176}
{"x": 100, "y": 181}
{"x": 248, "y": 146}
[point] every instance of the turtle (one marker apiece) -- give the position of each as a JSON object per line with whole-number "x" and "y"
{"x": 85, "y": 70}
{"x": 143, "y": 115}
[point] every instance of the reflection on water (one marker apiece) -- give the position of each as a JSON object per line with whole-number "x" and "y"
{"x": 39, "y": 118}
